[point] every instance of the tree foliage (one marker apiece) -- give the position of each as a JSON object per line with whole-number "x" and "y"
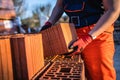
{"x": 37, "y": 13}
{"x": 19, "y": 7}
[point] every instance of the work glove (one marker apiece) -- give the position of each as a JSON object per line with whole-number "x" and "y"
{"x": 80, "y": 43}
{"x": 46, "y": 26}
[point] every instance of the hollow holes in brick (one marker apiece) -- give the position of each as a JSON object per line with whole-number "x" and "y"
{"x": 65, "y": 70}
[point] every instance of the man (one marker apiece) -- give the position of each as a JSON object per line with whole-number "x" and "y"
{"x": 93, "y": 21}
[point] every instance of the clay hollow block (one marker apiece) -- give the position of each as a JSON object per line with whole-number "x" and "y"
{"x": 6, "y": 70}
{"x": 21, "y": 56}
{"x": 27, "y": 52}
{"x": 57, "y": 39}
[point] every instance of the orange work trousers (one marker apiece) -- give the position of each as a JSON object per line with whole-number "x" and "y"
{"x": 98, "y": 55}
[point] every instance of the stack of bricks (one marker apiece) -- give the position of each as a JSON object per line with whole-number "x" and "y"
{"x": 21, "y": 56}
{"x": 7, "y": 14}
{"x": 7, "y": 9}
{"x": 63, "y": 67}
{"x": 27, "y": 53}
{"x": 57, "y": 39}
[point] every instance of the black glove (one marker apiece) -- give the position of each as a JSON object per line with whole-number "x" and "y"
{"x": 47, "y": 25}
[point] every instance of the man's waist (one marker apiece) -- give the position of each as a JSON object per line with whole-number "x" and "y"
{"x": 82, "y": 22}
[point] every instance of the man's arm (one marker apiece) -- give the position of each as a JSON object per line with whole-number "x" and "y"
{"x": 111, "y": 14}
{"x": 57, "y": 12}
{"x": 109, "y": 17}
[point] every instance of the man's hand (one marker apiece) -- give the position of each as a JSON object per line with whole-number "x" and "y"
{"x": 81, "y": 43}
{"x": 47, "y": 25}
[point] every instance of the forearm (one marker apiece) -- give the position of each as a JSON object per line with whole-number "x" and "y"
{"x": 109, "y": 17}
{"x": 56, "y": 13}
{"x": 104, "y": 23}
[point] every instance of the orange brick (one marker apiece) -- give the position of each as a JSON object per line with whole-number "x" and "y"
{"x": 57, "y": 38}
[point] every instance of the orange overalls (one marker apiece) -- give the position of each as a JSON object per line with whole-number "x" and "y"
{"x": 98, "y": 55}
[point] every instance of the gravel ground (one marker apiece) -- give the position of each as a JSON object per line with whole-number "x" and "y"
{"x": 117, "y": 60}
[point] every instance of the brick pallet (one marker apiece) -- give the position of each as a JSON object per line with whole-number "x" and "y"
{"x": 62, "y": 67}
{"x": 57, "y": 38}
{"x": 21, "y": 56}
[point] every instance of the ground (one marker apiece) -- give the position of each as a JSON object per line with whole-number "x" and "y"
{"x": 117, "y": 60}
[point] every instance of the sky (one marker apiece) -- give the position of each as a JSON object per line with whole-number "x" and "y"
{"x": 31, "y": 4}
{"x": 40, "y": 1}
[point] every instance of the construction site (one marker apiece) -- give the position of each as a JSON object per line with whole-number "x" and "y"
{"x": 41, "y": 55}
{"x": 27, "y": 57}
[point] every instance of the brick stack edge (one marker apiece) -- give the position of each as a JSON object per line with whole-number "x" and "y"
{"x": 7, "y": 12}
{"x": 7, "y": 9}
{"x": 57, "y": 38}
{"x": 6, "y": 70}
{"x": 21, "y": 56}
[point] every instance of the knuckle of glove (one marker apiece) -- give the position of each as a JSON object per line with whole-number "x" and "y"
{"x": 46, "y": 26}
